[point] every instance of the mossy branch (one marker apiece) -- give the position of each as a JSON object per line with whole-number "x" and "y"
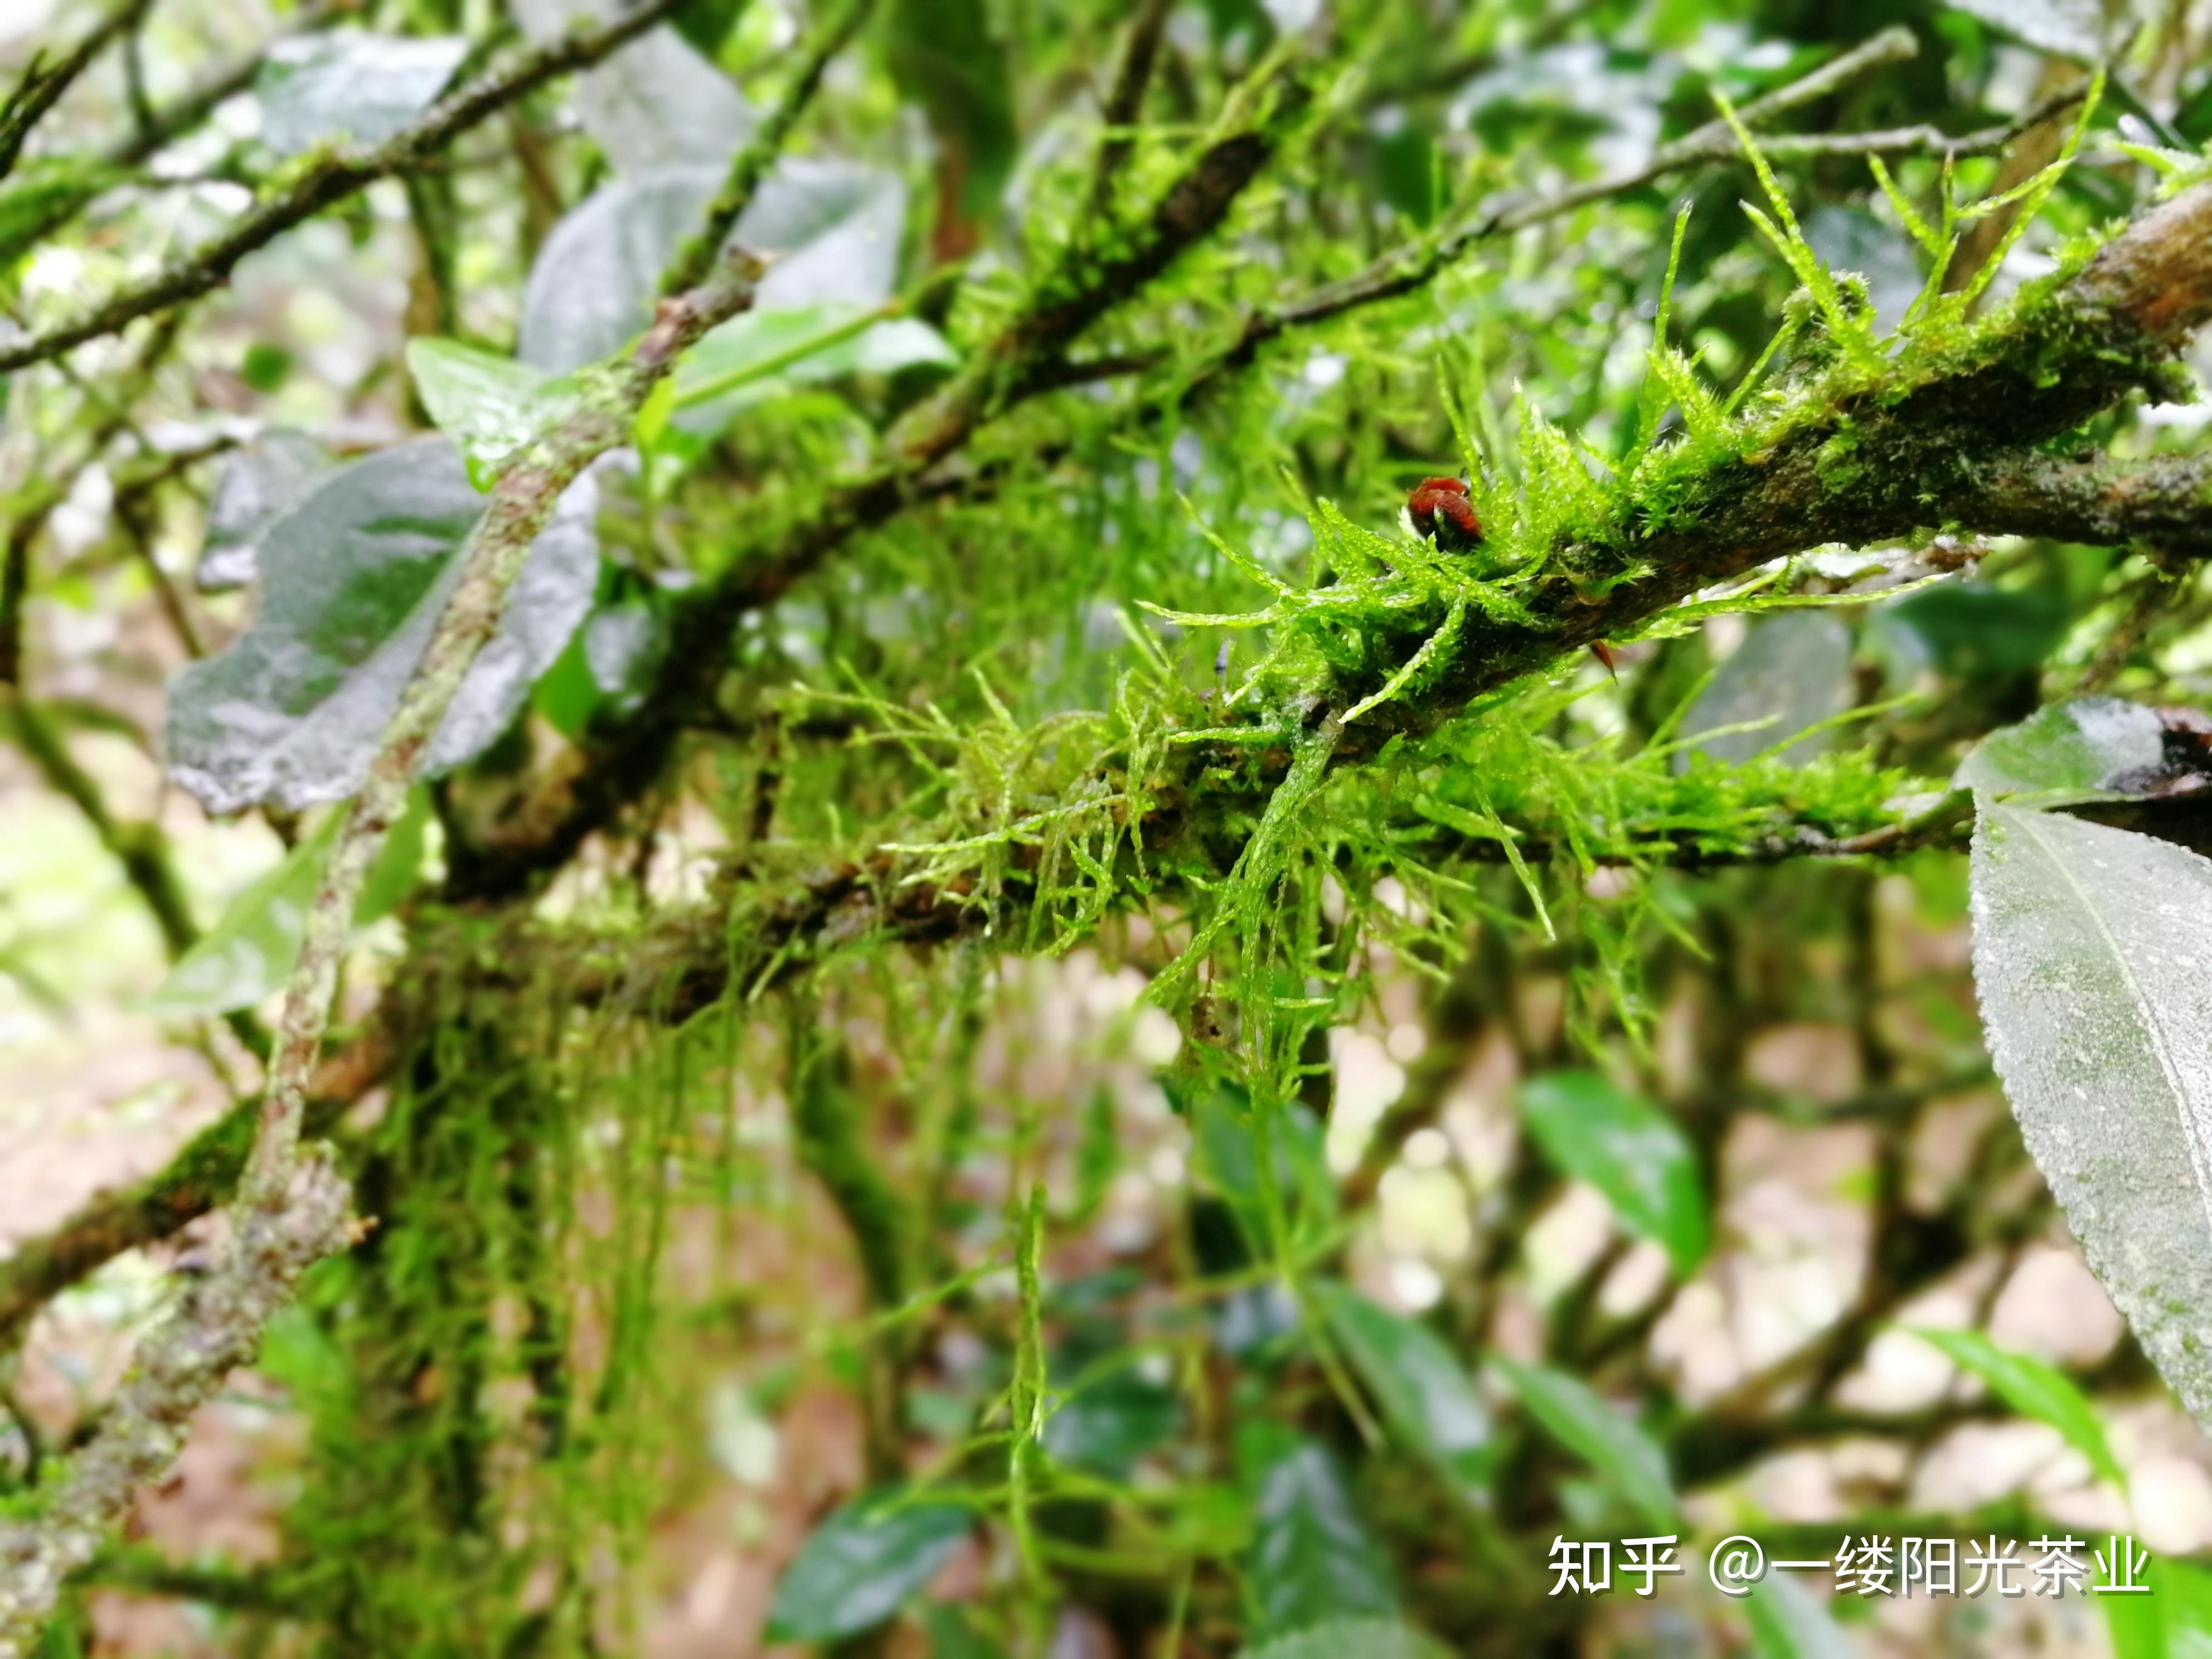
{"x": 42, "y": 88}
{"x": 294, "y": 1210}
{"x": 621, "y": 763}
{"x": 751, "y": 164}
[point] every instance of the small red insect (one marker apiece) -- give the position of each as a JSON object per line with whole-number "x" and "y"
{"x": 1440, "y": 510}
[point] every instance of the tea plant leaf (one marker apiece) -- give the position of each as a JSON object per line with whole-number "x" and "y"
{"x": 2091, "y": 749}
{"x": 258, "y": 485}
{"x": 1596, "y": 1432}
{"x": 352, "y": 578}
{"x": 2093, "y": 965}
{"x": 862, "y": 1565}
{"x": 344, "y": 84}
{"x": 1426, "y": 1396}
{"x": 2034, "y": 1389}
{"x": 1313, "y": 1557}
{"x": 1630, "y": 1150}
{"x": 834, "y": 227}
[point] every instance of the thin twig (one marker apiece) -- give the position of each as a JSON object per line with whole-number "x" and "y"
{"x": 328, "y": 178}
{"x": 696, "y": 257}
{"x": 43, "y": 88}
{"x": 1124, "y": 102}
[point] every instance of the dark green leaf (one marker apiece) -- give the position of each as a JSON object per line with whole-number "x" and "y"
{"x": 862, "y": 1565}
{"x": 1973, "y": 631}
{"x": 343, "y": 85}
{"x": 1630, "y": 1150}
{"x": 2091, "y": 749}
{"x": 1226, "y": 1142}
{"x": 2091, "y": 960}
{"x": 2034, "y": 1389}
{"x": 1313, "y": 1557}
{"x": 705, "y": 24}
{"x": 1425, "y": 1393}
{"x": 352, "y": 577}
{"x": 1598, "y": 1432}
{"x": 1108, "y": 1425}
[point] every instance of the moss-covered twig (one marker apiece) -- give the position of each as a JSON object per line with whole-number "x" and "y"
{"x": 621, "y": 763}
{"x": 752, "y": 163}
{"x": 293, "y": 1209}
{"x": 327, "y": 178}
{"x": 42, "y": 88}
{"x": 1123, "y": 103}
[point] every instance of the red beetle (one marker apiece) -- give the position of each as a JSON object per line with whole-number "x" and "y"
{"x": 1441, "y": 511}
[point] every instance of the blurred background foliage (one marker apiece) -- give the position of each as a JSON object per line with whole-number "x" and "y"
{"x": 949, "y": 1298}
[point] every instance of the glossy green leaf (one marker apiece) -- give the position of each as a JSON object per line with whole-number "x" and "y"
{"x": 1426, "y": 1396}
{"x": 762, "y": 354}
{"x": 352, "y": 578}
{"x": 2091, "y": 960}
{"x": 1630, "y": 1150}
{"x": 1313, "y": 1557}
{"x": 246, "y": 957}
{"x": 2173, "y": 1621}
{"x": 1109, "y": 1424}
{"x": 2034, "y": 1389}
{"x": 2091, "y": 749}
{"x": 1353, "y": 1638}
{"x": 862, "y": 1565}
{"x": 834, "y": 226}
{"x": 1597, "y": 1431}
{"x": 490, "y": 405}
{"x": 1788, "y": 1621}
{"x": 344, "y": 84}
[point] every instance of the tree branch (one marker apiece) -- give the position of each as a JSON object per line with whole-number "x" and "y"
{"x": 597, "y": 781}
{"x": 293, "y": 1209}
{"x": 329, "y": 177}
{"x": 1123, "y": 104}
{"x": 750, "y": 165}
{"x": 42, "y": 89}
{"x": 2165, "y": 500}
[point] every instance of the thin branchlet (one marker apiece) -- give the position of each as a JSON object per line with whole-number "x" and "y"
{"x": 292, "y": 1209}
{"x": 328, "y": 176}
